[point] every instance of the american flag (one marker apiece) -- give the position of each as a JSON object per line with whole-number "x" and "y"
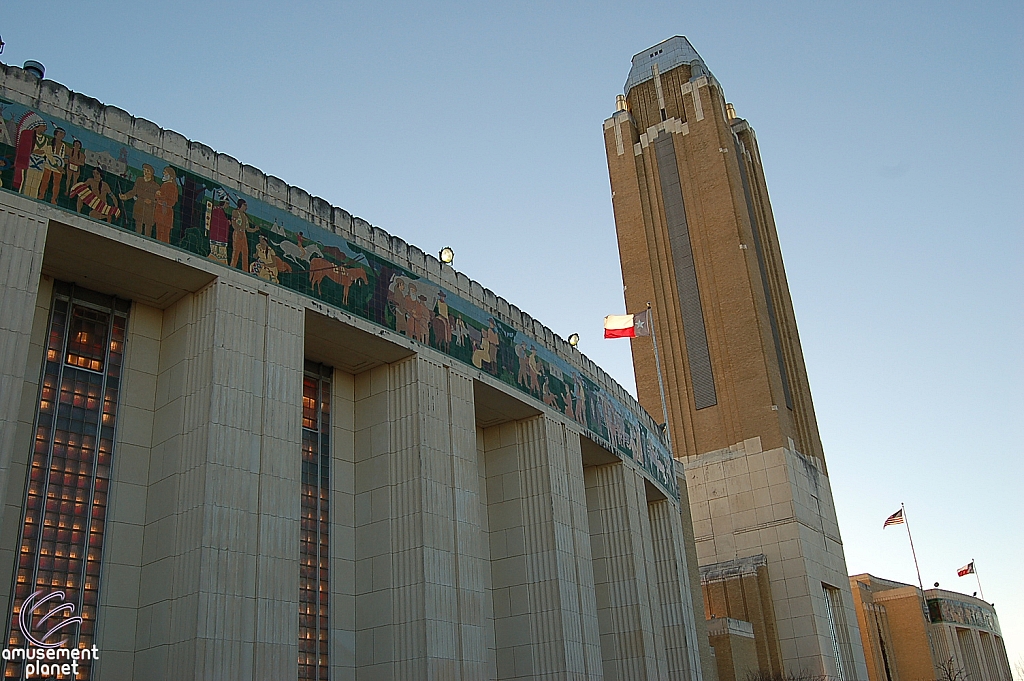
{"x": 895, "y": 519}
{"x": 966, "y": 570}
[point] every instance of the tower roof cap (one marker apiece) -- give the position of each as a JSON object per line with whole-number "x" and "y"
{"x": 668, "y": 54}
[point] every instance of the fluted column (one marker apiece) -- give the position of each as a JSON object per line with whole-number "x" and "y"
{"x": 420, "y": 568}
{"x": 677, "y": 607}
{"x": 219, "y": 587}
{"x": 279, "y": 472}
{"x": 544, "y": 605}
{"x": 21, "y": 259}
{"x": 632, "y": 640}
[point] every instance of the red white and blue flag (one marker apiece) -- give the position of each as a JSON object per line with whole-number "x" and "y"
{"x": 627, "y": 325}
{"x": 895, "y": 519}
{"x": 966, "y": 570}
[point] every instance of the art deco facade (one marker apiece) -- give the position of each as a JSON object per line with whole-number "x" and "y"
{"x": 246, "y": 435}
{"x": 697, "y": 240}
{"x": 910, "y": 635}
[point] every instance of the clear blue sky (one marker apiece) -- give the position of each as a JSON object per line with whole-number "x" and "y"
{"x": 891, "y": 139}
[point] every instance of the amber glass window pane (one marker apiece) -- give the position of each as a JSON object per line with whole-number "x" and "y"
{"x": 314, "y": 528}
{"x": 66, "y": 492}
{"x": 87, "y": 341}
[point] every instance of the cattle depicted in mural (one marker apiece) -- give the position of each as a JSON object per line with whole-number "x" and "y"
{"x": 121, "y": 187}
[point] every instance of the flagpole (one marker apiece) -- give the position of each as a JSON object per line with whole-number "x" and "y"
{"x": 977, "y": 577}
{"x": 661, "y": 384}
{"x": 912, "y": 551}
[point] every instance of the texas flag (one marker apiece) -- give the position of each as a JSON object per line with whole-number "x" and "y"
{"x": 627, "y": 325}
{"x": 966, "y": 570}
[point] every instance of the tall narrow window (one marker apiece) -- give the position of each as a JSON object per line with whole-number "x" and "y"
{"x": 315, "y": 556}
{"x": 56, "y": 586}
{"x": 840, "y": 632}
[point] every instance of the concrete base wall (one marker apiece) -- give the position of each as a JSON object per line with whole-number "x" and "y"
{"x": 746, "y": 501}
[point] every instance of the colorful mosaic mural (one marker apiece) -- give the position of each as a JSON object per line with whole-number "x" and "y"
{"x": 48, "y": 159}
{"x": 959, "y": 612}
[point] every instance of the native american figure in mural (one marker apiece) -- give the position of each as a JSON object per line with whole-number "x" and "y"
{"x": 166, "y": 198}
{"x": 240, "y": 229}
{"x": 144, "y": 192}
{"x": 53, "y": 172}
{"x": 30, "y": 154}
{"x": 265, "y": 264}
{"x": 94, "y": 193}
{"x": 218, "y": 226}
{"x": 73, "y": 168}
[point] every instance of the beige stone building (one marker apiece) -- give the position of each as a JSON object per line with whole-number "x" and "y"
{"x": 266, "y": 440}
{"x": 697, "y": 240}
{"x": 910, "y": 635}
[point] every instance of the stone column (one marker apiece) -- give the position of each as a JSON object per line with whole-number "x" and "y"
{"x": 342, "y": 530}
{"x": 420, "y": 560}
{"x": 22, "y": 239}
{"x": 677, "y": 607}
{"x": 632, "y": 638}
{"x": 276, "y": 630}
{"x": 18, "y": 408}
{"x": 545, "y": 618}
{"x": 219, "y": 591}
{"x": 117, "y": 616}
{"x": 473, "y": 635}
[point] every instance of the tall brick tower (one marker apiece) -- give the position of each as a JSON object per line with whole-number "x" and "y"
{"x": 697, "y": 239}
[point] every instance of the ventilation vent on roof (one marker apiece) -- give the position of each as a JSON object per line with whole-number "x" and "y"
{"x": 35, "y": 68}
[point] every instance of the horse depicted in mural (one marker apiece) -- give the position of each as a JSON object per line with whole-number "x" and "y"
{"x": 297, "y": 253}
{"x": 345, "y": 277}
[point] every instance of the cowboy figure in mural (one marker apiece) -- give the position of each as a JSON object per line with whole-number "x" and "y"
{"x": 487, "y": 350}
{"x": 144, "y": 192}
{"x": 166, "y": 199}
{"x": 396, "y": 298}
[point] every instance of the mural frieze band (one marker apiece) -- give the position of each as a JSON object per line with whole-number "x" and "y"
{"x": 48, "y": 159}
